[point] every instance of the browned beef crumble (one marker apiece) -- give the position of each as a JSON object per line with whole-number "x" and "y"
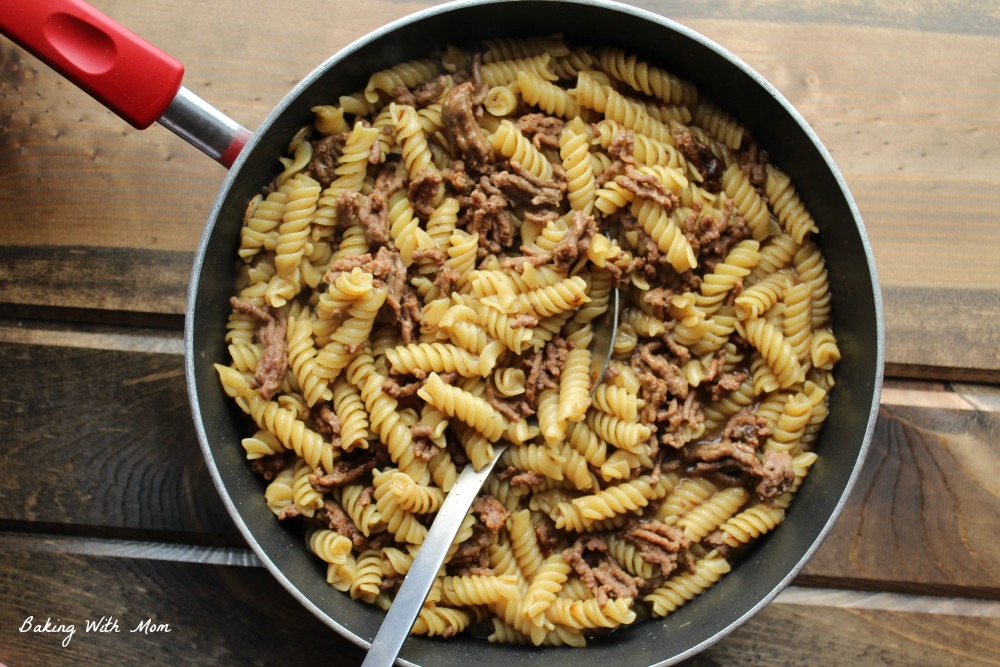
{"x": 565, "y": 253}
{"x": 347, "y": 205}
{"x": 374, "y": 215}
{"x": 374, "y": 212}
{"x": 547, "y": 536}
{"x": 345, "y": 471}
{"x": 491, "y": 512}
{"x": 735, "y": 456}
{"x": 461, "y": 129}
{"x": 712, "y": 238}
{"x": 268, "y": 467}
{"x": 649, "y": 187}
{"x": 423, "y": 447}
{"x": 336, "y": 519}
{"x": 326, "y": 423}
{"x": 776, "y": 475}
{"x": 422, "y": 191}
{"x": 394, "y": 388}
{"x": 326, "y": 154}
{"x": 527, "y": 478}
{"x": 753, "y": 162}
{"x": 658, "y": 543}
{"x": 701, "y": 156}
{"x": 543, "y": 130}
{"x": 599, "y": 572}
{"x": 486, "y": 214}
{"x": 521, "y": 184}
{"x": 273, "y": 365}
{"x": 499, "y": 403}
{"x": 473, "y": 556}
{"x": 457, "y": 178}
{"x": 403, "y": 95}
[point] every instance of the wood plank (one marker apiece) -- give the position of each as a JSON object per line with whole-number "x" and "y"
{"x": 217, "y": 615}
{"x": 224, "y": 615}
{"x": 828, "y": 634}
{"x": 115, "y": 434}
{"x": 130, "y": 285}
{"x": 923, "y": 513}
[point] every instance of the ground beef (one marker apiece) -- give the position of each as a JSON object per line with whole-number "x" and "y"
{"x": 374, "y": 213}
{"x": 776, "y": 475}
{"x": 326, "y": 154}
{"x": 345, "y": 471}
{"x": 430, "y": 91}
{"x": 336, "y": 519}
{"x": 680, "y": 418}
{"x": 621, "y": 151}
{"x": 501, "y": 405}
{"x": 486, "y": 214}
{"x": 423, "y": 447}
{"x": 712, "y": 237}
{"x": 273, "y": 365}
{"x": 457, "y": 178}
{"x": 461, "y": 129}
{"x": 546, "y": 536}
{"x": 473, "y": 555}
{"x": 447, "y": 279}
{"x": 522, "y": 184}
{"x": 268, "y": 467}
{"x": 326, "y": 423}
{"x": 520, "y": 478}
{"x": 492, "y": 514}
{"x": 701, "y": 157}
{"x": 658, "y": 543}
{"x": 735, "y": 457}
{"x": 667, "y": 370}
{"x": 647, "y": 186}
{"x": 564, "y": 254}
{"x": 649, "y": 263}
{"x": 576, "y": 241}
{"x": 347, "y": 205}
{"x": 599, "y": 572}
{"x": 716, "y": 541}
{"x": 753, "y": 161}
{"x": 423, "y": 190}
{"x": 345, "y": 264}
{"x": 543, "y": 130}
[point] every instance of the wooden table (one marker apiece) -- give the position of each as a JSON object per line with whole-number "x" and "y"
{"x": 106, "y": 508}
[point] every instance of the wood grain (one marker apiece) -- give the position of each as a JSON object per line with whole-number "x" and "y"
{"x": 923, "y": 514}
{"x": 132, "y": 286}
{"x": 217, "y": 615}
{"x": 104, "y": 439}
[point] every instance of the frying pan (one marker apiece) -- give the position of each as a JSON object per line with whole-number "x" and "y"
{"x": 857, "y": 308}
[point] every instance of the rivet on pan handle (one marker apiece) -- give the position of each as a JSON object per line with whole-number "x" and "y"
{"x": 119, "y": 69}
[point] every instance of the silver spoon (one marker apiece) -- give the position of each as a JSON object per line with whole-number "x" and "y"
{"x": 409, "y": 600}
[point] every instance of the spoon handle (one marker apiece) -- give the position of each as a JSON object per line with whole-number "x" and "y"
{"x": 418, "y": 581}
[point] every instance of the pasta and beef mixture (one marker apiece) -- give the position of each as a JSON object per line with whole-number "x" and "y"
{"x": 422, "y": 281}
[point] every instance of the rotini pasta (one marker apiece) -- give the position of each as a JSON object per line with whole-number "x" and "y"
{"x": 427, "y": 285}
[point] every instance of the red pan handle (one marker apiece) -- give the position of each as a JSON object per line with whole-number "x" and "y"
{"x": 118, "y": 68}
{"x": 122, "y": 71}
